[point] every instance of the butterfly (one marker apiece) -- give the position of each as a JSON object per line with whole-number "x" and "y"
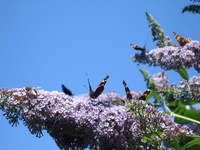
{"x": 128, "y": 93}
{"x": 145, "y": 94}
{"x": 32, "y": 89}
{"x": 182, "y": 41}
{"x": 138, "y": 48}
{"x": 135, "y": 47}
{"x": 67, "y": 91}
{"x": 100, "y": 88}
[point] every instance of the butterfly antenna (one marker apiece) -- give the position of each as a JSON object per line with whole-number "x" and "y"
{"x": 146, "y": 42}
{"x": 85, "y": 87}
{"x": 90, "y": 87}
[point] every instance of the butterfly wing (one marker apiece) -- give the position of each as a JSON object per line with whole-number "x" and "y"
{"x": 66, "y": 91}
{"x": 182, "y": 41}
{"x": 128, "y": 93}
{"x": 145, "y": 94}
{"x": 100, "y": 88}
{"x": 90, "y": 87}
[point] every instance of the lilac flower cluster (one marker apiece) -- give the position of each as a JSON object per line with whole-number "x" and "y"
{"x": 193, "y": 82}
{"x": 79, "y": 121}
{"x": 161, "y": 81}
{"x": 152, "y": 121}
{"x": 171, "y": 57}
{"x": 189, "y": 90}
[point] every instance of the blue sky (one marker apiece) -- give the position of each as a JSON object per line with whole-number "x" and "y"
{"x": 47, "y": 43}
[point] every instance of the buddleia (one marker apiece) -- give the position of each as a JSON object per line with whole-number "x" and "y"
{"x": 158, "y": 33}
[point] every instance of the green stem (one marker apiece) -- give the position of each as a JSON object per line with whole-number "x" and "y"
{"x": 183, "y": 117}
{"x": 180, "y": 116}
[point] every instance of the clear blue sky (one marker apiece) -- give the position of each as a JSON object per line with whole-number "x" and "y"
{"x": 49, "y": 42}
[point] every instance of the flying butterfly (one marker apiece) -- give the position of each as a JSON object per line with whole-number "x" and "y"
{"x": 145, "y": 94}
{"x": 67, "y": 91}
{"x": 100, "y": 88}
{"x": 182, "y": 41}
{"x": 128, "y": 93}
{"x": 135, "y": 47}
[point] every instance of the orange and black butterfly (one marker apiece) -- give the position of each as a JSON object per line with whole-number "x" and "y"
{"x": 100, "y": 88}
{"x": 145, "y": 94}
{"x": 182, "y": 41}
{"x": 67, "y": 91}
{"x": 135, "y": 47}
{"x": 128, "y": 93}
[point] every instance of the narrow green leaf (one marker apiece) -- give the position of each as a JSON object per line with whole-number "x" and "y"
{"x": 194, "y": 142}
{"x": 183, "y": 73}
{"x": 186, "y": 113}
{"x": 156, "y": 133}
{"x": 177, "y": 103}
{"x": 147, "y": 139}
{"x": 175, "y": 144}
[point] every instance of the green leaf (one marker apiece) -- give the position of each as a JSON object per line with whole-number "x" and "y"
{"x": 187, "y": 113}
{"x": 147, "y": 139}
{"x": 155, "y": 94}
{"x": 146, "y": 76}
{"x": 177, "y": 103}
{"x": 183, "y": 73}
{"x": 192, "y": 8}
{"x": 195, "y": 142}
{"x": 156, "y": 133}
{"x": 175, "y": 144}
{"x": 180, "y": 103}
{"x": 145, "y": 73}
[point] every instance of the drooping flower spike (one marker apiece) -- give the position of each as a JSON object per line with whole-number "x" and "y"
{"x": 82, "y": 122}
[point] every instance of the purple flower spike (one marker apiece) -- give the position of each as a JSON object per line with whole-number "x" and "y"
{"x": 170, "y": 57}
{"x": 188, "y": 91}
{"x": 81, "y": 122}
{"x": 161, "y": 80}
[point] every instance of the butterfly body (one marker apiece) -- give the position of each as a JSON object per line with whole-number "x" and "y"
{"x": 66, "y": 90}
{"x": 128, "y": 93}
{"x": 135, "y": 47}
{"x": 99, "y": 90}
{"x": 182, "y": 41}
